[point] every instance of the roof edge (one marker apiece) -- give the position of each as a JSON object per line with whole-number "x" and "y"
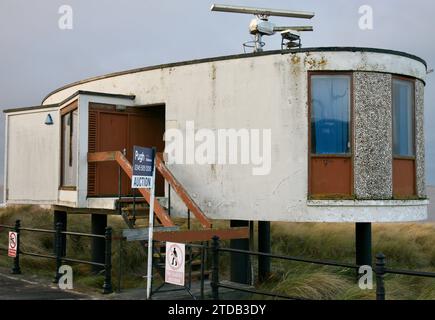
{"x": 96, "y": 93}
{"x": 237, "y": 56}
{"x": 20, "y": 109}
{"x": 75, "y": 94}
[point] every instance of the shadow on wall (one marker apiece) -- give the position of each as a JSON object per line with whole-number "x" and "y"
{"x": 1, "y": 194}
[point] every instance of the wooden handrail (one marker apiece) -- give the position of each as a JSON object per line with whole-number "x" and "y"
{"x": 182, "y": 193}
{"x": 126, "y": 166}
{"x": 186, "y": 236}
{"x": 167, "y": 175}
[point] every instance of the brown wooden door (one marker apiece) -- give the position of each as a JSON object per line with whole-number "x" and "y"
{"x": 111, "y": 130}
{"x": 112, "y": 136}
{"x": 146, "y": 129}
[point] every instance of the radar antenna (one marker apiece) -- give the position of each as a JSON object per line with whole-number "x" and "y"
{"x": 261, "y": 26}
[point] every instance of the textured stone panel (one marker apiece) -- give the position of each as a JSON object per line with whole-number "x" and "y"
{"x": 373, "y": 161}
{"x": 419, "y": 135}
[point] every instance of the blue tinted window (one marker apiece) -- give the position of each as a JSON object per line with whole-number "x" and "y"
{"x": 330, "y": 114}
{"x": 403, "y": 118}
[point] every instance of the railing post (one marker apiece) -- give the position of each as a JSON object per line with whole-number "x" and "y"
{"x": 380, "y": 274}
{"x": 215, "y": 269}
{"x": 188, "y": 219}
{"x": 16, "y": 268}
{"x": 58, "y": 250}
{"x": 263, "y": 246}
{"x": 107, "y": 287}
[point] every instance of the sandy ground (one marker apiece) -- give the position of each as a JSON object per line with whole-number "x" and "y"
{"x": 19, "y": 287}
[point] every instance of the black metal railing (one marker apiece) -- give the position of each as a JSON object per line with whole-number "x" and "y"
{"x": 59, "y": 255}
{"x": 216, "y": 283}
{"x": 380, "y": 271}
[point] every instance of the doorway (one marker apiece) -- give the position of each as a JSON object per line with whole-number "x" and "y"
{"x": 116, "y": 129}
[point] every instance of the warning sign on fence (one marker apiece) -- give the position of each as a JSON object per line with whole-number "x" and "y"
{"x": 174, "y": 271}
{"x": 13, "y": 244}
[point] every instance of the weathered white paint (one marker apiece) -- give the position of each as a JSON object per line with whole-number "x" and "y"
{"x": 82, "y": 170}
{"x": 32, "y": 157}
{"x": 101, "y": 203}
{"x": 366, "y": 211}
{"x": 262, "y": 92}
{"x": 154, "y": 91}
{"x": 67, "y": 198}
{"x": 33, "y": 174}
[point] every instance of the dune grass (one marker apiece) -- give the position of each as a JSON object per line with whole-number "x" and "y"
{"x": 133, "y": 262}
{"x": 406, "y": 246}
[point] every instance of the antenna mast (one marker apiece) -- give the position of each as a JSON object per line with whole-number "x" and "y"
{"x": 260, "y": 26}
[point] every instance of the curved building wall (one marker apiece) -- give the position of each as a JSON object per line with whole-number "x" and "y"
{"x": 270, "y": 91}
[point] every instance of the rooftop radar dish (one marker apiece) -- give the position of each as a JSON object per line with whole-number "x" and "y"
{"x": 261, "y": 26}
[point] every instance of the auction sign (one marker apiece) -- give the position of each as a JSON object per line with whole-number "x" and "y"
{"x": 144, "y": 172}
{"x": 143, "y": 167}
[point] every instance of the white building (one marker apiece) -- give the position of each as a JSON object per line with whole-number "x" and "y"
{"x": 347, "y": 140}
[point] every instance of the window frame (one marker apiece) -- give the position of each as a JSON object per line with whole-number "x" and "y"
{"x": 412, "y": 82}
{"x": 69, "y": 109}
{"x": 398, "y": 158}
{"x": 349, "y": 156}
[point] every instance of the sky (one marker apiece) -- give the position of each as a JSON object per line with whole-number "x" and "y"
{"x": 36, "y": 56}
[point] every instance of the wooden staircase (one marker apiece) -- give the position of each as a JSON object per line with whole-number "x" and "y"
{"x": 136, "y": 210}
{"x": 161, "y": 212}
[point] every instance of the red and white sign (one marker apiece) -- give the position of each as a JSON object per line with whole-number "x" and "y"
{"x": 174, "y": 271}
{"x": 13, "y": 244}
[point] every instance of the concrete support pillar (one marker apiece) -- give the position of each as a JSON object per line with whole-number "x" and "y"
{"x": 240, "y": 263}
{"x": 263, "y": 246}
{"x": 363, "y": 244}
{"x": 98, "y": 245}
{"x": 62, "y": 217}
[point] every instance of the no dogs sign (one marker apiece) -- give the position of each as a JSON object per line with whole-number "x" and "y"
{"x": 13, "y": 244}
{"x": 174, "y": 271}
